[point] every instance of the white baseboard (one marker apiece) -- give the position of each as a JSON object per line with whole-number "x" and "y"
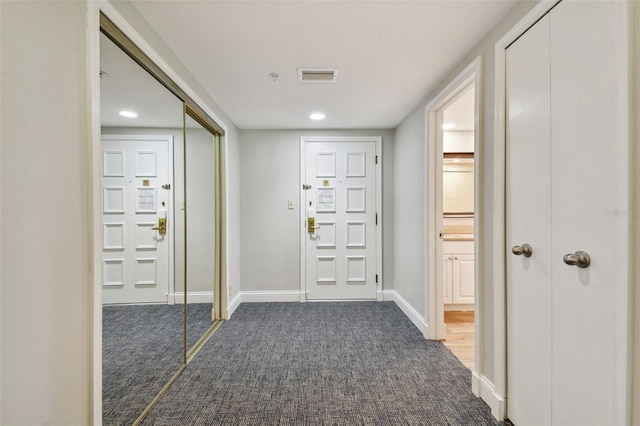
{"x": 409, "y": 311}
{"x": 233, "y": 304}
{"x": 484, "y": 389}
{"x": 387, "y": 295}
{"x": 270, "y": 296}
{"x": 195, "y": 297}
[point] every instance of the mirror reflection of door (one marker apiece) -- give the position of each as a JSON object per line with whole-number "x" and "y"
{"x": 143, "y": 346}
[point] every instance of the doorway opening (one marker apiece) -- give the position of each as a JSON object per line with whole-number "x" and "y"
{"x": 453, "y": 216}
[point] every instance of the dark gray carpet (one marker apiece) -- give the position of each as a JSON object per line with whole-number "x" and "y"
{"x": 360, "y": 363}
{"x": 142, "y": 349}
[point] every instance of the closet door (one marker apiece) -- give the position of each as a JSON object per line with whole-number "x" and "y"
{"x": 528, "y": 205}
{"x": 589, "y": 169}
{"x": 567, "y": 191}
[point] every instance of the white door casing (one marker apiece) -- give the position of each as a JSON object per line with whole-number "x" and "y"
{"x": 341, "y": 257}
{"x": 136, "y": 258}
{"x": 576, "y": 320}
{"x": 434, "y": 297}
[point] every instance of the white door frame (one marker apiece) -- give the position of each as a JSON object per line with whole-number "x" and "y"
{"x": 433, "y": 165}
{"x": 171, "y": 210}
{"x": 303, "y": 210}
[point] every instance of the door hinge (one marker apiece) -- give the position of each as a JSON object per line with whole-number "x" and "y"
{"x": 376, "y": 218}
{"x": 376, "y": 159}
{"x": 376, "y": 278}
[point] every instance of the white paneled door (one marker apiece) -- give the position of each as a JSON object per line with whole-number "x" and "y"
{"x": 340, "y": 220}
{"x": 567, "y": 191}
{"x": 135, "y": 202}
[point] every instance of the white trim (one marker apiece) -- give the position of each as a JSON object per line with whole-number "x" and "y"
{"x": 499, "y": 176}
{"x": 233, "y": 304}
{"x": 484, "y": 389}
{"x": 303, "y": 210}
{"x": 388, "y": 295}
{"x": 194, "y": 297}
{"x": 411, "y": 313}
{"x": 269, "y": 296}
{"x": 95, "y": 212}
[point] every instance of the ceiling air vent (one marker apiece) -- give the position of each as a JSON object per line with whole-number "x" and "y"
{"x": 318, "y": 75}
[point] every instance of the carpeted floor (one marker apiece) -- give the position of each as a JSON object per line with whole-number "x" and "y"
{"x": 142, "y": 349}
{"x": 343, "y": 363}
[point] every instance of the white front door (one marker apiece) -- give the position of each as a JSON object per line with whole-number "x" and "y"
{"x": 341, "y": 246}
{"x": 567, "y": 191}
{"x": 135, "y": 198}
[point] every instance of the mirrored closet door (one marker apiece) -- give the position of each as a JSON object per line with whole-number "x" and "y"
{"x": 143, "y": 328}
{"x": 162, "y": 220}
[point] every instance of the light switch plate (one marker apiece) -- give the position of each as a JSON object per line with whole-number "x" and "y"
{"x": 291, "y": 205}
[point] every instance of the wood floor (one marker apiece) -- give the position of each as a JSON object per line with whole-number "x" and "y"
{"x": 461, "y": 336}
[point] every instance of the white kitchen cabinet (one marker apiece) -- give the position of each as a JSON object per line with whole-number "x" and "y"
{"x": 458, "y": 275}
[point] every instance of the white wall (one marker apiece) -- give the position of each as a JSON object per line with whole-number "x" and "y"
{"x": 458, "y": 141}
{"x": 45, "y": 250}
{"x": 410, "y": 235}
{"x": 270, "y": 232}
{"x": 200, "y": 211}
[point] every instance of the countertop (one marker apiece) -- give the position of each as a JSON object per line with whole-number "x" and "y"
{"x": 458, "y": 237}
{"x": 458, "y": 233}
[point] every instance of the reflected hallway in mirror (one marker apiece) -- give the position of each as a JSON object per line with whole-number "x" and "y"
{"x": 143, "y": 330}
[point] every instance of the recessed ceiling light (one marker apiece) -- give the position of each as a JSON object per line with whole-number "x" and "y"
{"x": 128, "y": 114}
{"x": 317, "y": 116}
{"x": 448, "y": 126}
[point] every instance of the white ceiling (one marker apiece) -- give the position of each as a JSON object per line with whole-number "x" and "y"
{"x": 128, "y": 87}
{"x": 389, "y": 54}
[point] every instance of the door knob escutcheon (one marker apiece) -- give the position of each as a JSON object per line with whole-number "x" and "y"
{"x": 524, "y": 249}
{"x": 580, "y": 259}
{"x": 162, "y": 226}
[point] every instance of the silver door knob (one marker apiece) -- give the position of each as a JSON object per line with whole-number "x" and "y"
{"x": 524, "y": 249}
{"x": 580, "y": 259}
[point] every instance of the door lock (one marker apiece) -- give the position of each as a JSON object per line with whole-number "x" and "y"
{"x": 311, "y": 222}
{"x": 162, "y": 226}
